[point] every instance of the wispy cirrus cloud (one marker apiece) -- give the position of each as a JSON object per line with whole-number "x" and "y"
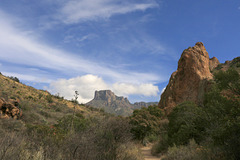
{"x": 78, "y": 39}
{"x": 28, "y": 77}
{"x": 75, "y": 11}
{"x": 23, "y": 49}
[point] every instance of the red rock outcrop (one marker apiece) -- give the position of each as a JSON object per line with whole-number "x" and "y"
{"x": 9, "y": 109}
{"x": 213, "y": 63}
{"x": 191, "y": 80}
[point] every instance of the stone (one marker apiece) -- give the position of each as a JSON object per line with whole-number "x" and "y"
{"x": 213, "y": 63}
{"x": 191, "y": 80}
{"x": 9, "y": 109}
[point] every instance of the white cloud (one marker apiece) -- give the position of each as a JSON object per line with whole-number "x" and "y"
{"x": 126, "y": 89}
{"x": 80, "y": 10}
{"x": 88, "y": 84}
{"x": 85, "y": 85}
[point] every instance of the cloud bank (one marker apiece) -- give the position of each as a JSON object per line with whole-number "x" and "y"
{"x": 86, "y": 86}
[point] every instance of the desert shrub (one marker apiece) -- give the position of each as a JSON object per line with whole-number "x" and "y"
{"x": 192, "y": 151}
{"x": 161, "y": 146}
{"x": 4, "y": 95}
{"x": 186, "y": 121}
{"x": 229, "y": 80}
{"x": 45, "y": 114}
{"x": 10, "y": 145}
{"x": 78, "y": 121}
{"x": 129, "y": 151}
{"x": 11, "y": 125}
{"x": 58, "y": 96}
{"x": 145, "y": 121}
{"x": 14, "y": 78}
{"x": 152, "y": 138}
{"x": 235, "y": 62}
{"x": 103, "y": 140}
{"x": 40, "y": 95}
{"x": 58, "y": 109}
{"x": 96, "y": 138}
{"x": 220, "y": 66}
{"x": 31, "y": 117}
{"x": 12, "y": 97}
{"x": 25, "y": 105}
{"x": 29, "y": 97}
{"x": 74, "y": 101}
{"x": 49, "y": 98}
{"x": 222, "y": 106}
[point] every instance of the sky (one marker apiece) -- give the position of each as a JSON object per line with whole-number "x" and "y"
{"x": 128, "y": 46}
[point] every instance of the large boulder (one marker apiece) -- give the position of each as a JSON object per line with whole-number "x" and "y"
{"x": 191, "y": 80}
{"x": 9, "y": 109}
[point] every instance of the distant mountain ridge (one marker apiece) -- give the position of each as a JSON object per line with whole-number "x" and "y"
{"x": 118, "y": 105}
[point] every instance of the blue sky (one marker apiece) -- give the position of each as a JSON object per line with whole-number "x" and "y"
{"x": 130, "y": 47}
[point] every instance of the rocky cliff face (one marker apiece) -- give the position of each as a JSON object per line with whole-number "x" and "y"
{"x": 108, "y": 96}
{"x": 111, "y": 103}
{"x": 191, "y": 80}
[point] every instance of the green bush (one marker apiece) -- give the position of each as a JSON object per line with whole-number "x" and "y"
{"x": 186, "y": 121}
{"x": 14, "y": 78}
{"x": 192, "y": 151}
{"x": 78, "y": 121}
{"x": 224, "y": 112}
{"x": 145, "y": 121}
{"x": 161, "y": 146}
{"x": 49, "y": 98}
{"x": 40, "y": 95}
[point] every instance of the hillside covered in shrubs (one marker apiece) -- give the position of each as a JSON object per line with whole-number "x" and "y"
{"x": 50, "y": 127}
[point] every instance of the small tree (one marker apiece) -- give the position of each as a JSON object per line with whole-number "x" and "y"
{"x": 145, "y": 121}
{"x": 74, "y": 110}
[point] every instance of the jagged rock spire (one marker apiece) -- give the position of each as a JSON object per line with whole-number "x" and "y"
{"x": 190, "y": 81}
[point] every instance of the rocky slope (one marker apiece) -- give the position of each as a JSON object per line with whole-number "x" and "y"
{"x": 191, "y": 80}
{"x": 111, "y": 103}
{"x": 19, "y": 101}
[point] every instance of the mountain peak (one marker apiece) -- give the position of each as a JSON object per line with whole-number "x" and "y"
{"x": 104, "y": 95}
{"x": 189, "y": 82}
{"x": 111, "y": 103}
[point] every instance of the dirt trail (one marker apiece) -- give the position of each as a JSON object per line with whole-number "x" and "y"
{"x": 146, "y": 152}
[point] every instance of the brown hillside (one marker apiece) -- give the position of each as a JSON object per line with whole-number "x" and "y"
{"x": 36, "y": 106}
